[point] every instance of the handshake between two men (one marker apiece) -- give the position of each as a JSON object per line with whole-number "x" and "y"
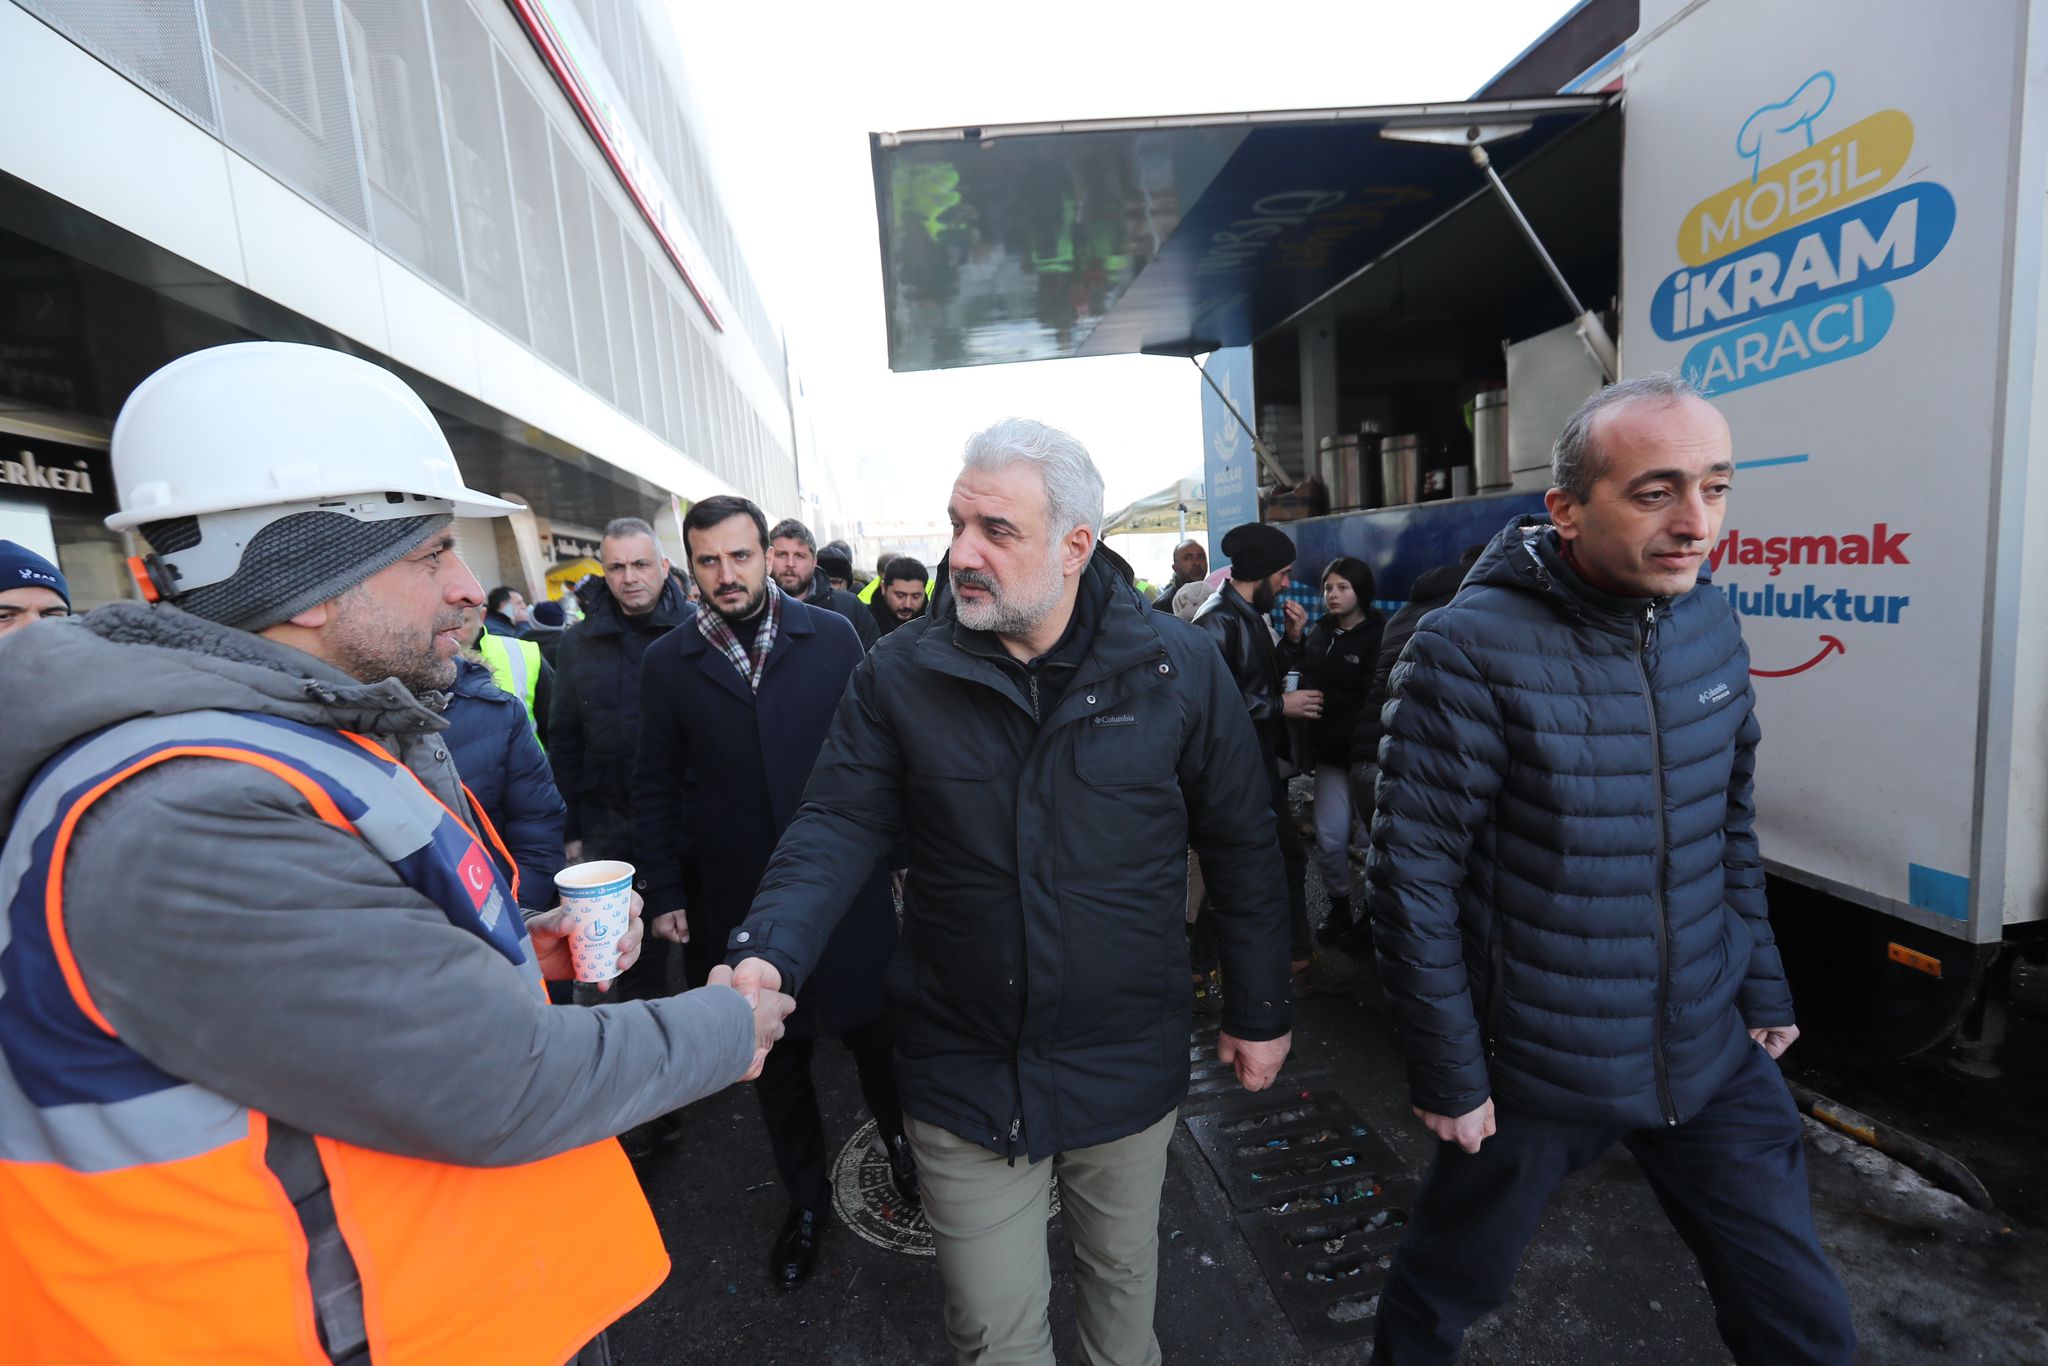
{"x": 759, "y": 982}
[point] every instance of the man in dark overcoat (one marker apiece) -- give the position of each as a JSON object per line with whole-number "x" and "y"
{"x": 735, "y": 704}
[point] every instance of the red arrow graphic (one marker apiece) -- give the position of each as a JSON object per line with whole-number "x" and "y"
{"x": 1829, "y": 646}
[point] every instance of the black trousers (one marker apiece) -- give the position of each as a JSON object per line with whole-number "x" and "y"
{"x": 789, "y": 1105}
{"x": 1732, "y": 1180}
{"x": 1294, "y": 860}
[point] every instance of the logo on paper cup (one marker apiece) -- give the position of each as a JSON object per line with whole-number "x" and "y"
{"x": 599, "y": 900}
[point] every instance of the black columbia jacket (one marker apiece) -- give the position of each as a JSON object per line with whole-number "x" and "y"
{"x": 1040, "y": 985}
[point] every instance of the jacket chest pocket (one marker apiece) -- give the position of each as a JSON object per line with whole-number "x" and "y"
{"x": 1138, "y": 754}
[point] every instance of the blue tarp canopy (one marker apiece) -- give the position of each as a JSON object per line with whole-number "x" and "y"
{"x": 1168, "y": 235}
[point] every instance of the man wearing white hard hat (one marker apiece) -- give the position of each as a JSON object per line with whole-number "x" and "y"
{"x": 278, "y": 1077}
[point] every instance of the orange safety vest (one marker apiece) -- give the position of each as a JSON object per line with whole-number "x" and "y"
{"x": 138, "y": 1219}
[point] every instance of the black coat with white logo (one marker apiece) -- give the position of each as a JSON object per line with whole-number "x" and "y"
{"x": 1041, "y": 982}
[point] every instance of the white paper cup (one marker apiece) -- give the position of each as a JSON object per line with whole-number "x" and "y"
{"x": 599, "y": 899}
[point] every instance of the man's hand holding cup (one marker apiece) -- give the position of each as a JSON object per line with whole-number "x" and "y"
{"x": 595, "y": 934}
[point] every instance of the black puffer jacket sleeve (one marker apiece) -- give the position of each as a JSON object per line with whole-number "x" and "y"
{"x": 850, "y": 817}
{"x": 1766, "y": 997}
{"x": 533, "y": 818}
{"x": 565, "y": 742}
{"x": 1443, "y": 759}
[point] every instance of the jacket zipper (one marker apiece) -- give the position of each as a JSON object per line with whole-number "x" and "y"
{"x": 1017, "y": 1054}
{"x": 1644, "y": 630}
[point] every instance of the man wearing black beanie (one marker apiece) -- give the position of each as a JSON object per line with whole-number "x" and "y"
{"x": 31, "y": 588}
{"x": 1261, "y": 562}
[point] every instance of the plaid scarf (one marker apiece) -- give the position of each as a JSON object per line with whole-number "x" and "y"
{"x": 750, "y": 661}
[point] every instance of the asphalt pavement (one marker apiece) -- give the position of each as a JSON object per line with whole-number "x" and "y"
{"x": 1606, "y": 1280}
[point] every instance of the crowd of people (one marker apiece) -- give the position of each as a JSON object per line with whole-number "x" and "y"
{"x": 999, "y": 828}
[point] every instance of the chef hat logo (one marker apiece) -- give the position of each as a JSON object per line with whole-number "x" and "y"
{"x": 1778, "y": 130}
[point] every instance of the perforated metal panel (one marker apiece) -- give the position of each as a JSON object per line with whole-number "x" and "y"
{"x": 409, "y": 121}
{"x": 642, "y": 289}
{"x": 665, "y": 358}
{"x": 476, "y": 150}
{"x": 157, "y": 46}
{"x": 618, "y": 313}
{"x": 398, "y": 117}
{"x": 284, "y": 97}
{"x": 540, "y": 232}
{"x": 586, "y": 285}
{"x": 692, "y": 390}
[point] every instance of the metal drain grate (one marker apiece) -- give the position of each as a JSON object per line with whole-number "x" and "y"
{"x": 1319, "y": 1197}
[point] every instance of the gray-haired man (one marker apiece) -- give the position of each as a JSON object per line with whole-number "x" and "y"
{"x": 1061, "y": 746}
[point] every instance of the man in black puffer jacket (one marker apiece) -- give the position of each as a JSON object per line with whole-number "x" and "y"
{"x": 1568, "y": 897}
{"x": 1060, "y": 746}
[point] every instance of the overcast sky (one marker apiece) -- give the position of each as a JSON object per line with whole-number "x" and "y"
{"x": 790, "y": 93}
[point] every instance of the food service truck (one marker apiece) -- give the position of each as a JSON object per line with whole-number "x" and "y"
{"x": 1829, "y": 214}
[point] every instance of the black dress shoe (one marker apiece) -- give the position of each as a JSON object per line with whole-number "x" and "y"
{"x": 903, "y": 1168}
{"x": 796, "y": 1248}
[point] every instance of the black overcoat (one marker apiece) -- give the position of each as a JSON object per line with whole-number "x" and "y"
{"x": 721, "y": 774}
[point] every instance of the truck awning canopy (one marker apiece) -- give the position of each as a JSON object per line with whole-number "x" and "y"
{"x": 1166, "y": 235}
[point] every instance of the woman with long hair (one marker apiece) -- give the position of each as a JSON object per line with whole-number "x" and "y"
{"x": 1337, "y": 659}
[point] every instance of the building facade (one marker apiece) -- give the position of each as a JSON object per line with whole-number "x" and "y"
{"x": 508, "y": 202}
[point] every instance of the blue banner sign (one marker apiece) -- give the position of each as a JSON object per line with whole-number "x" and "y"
{"x": 1230, "y": 468}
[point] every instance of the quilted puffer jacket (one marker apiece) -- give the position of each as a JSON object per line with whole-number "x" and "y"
{"x": 1565, "y": 880}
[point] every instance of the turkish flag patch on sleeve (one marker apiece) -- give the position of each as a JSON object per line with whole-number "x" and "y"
{"x": 477, "y": 877}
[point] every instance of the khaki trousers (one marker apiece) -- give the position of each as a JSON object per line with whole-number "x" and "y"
{"x": 988, "y": 1225}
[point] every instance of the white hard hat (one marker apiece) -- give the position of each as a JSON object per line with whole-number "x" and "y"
{"x": 244, "y": 435}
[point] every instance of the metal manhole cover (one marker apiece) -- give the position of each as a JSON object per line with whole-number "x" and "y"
{"x": 867, "y": 1202}
{"x": 1319, "y": 1197}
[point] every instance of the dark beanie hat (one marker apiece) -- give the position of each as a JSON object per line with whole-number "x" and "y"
{"x": 21, "y": 567}
{"x": 547, "y": 613}
{"x": 295, "y": 563}
{"x": 1256, "y": 550}
{"x": 836, "y": 559}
